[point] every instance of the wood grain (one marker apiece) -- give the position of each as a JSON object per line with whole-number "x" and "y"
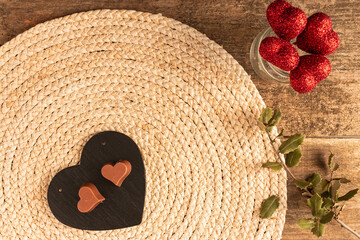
{"x": 315, "y": 157}
{"x": 330, "y": 110}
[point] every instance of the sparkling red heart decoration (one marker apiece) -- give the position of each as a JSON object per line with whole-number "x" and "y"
{"x": 286, "y": 21}
{"x": 314, "y": 35}
{"x": 311, "y": 70}
{"x": 279, "y": 52}
{"x": 318, "y": 36}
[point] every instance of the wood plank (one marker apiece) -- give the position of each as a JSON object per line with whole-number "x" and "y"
{"x": 315, "y": 156}
{"x": 331, "y": 109}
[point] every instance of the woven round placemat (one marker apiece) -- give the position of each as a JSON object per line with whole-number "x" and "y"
{"x": 189, "y": 106}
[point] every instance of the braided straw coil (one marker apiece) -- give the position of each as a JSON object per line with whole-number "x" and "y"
{"x": 189, "y": 106}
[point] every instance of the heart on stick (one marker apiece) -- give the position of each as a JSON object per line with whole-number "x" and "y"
{"x": 116, "y": 173}
{"x": 279, "y": 52}
{"x": 311, "y": 70}
{"x": 286, "y": 20}
{"x": 90, "y": 197}
{"x": 318, "y": 36}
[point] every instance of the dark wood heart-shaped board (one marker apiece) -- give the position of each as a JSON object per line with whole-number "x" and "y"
{"x": 123, "y": 206}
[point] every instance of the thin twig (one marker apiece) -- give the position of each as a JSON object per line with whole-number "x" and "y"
{"x": 282, "y": 163}
{"x": 294, "y": 178}
{"x": 347, "y": 227}
{"x": 278, "y": 154}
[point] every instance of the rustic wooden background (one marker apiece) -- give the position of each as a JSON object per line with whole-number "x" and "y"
{"x": 328, "y": 116}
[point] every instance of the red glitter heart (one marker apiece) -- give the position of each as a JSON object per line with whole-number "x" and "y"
{"x": 311, "y": 70}
{"x": 286, "y": 21}
{"x": 279, "y": 52}
{"x": 318, "y": 36}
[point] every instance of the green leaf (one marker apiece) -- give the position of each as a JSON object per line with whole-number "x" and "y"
{"x": 302, "y": 184}
{"x": 321, "y": 187}
{"x": 293, "y": 158}
{"x": 273, "y": 165}
{"x": 266, "y": 116}
{"x": 348, "y": 195}
{"x": 292, "y": 143}
{"x": 276, "y": 117}
{"x": 269, "y": 206}
{"x": 315, "y": 179}
{"x": 321, "y": 212}
{"x": 328, "y": 203}
{"x": 342, "y": 180}
{"x": 318, "y": 229}
{"x": 308, "y": 202}
{"x": 327, "y": 218}
{"x": 305, "y": 223}
{"x": 336, "y": 166}
{"x": 316, "y": 203}
{"x": 334, "y": 188}
{"x": 331, "y": 161}
{"x": 325, "y": 194}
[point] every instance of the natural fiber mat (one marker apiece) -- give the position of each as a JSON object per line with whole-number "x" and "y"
{"x": 189, "y": 106}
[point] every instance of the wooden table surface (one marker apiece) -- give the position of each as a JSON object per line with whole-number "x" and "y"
{"x": 329, "y": 115}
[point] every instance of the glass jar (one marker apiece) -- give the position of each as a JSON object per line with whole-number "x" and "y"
{"x": 263, "y": 68}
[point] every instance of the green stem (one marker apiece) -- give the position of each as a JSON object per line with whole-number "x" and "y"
{"x": 294, "y": 178}
{"x": 278, "y": 155}
{"x": 282, "y": 163}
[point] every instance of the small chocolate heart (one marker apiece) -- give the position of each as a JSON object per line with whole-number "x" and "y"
{"x": 318, "y": 36}
{"x": 279, "y": 52}
{"x": 116, "y": 173}
{"x": 90, "y": 197}
{"x": 122, "y": 207}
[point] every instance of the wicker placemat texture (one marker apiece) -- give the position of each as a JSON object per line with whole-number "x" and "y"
{"x": 189, "y": 106}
